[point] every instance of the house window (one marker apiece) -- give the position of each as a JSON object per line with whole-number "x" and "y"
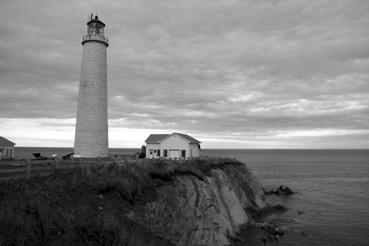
{"x": 183, "y": 153}
{"x": 165, "y": 153}
{"x": 150, "y": 151}
{"x": 158, "y": 152}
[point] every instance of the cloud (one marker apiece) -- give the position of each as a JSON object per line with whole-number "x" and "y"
{"x": 210, "y": 68}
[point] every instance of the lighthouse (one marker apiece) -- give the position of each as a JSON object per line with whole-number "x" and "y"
{"x": 91, "y": 136}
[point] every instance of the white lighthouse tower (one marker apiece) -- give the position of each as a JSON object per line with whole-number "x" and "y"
{"x": 91, "y": 139}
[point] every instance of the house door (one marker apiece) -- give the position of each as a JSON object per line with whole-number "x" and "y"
{"x": 174, "y": 153}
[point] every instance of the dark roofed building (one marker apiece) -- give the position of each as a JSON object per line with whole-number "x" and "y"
{"x": 189, "y": 138}
{"x": 156, "y": 138}
{"x": 172, "y": 146}
{"x": 6, "y": 149}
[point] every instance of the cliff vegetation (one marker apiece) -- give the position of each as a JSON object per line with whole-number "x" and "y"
{"x": 196, "y": 202}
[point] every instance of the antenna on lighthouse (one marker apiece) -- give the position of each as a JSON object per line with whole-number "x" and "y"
{"x": 89, "y": 17}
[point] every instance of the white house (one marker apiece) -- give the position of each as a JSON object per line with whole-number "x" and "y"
{"x": 6, "y": 149}
{"x": 172, "y": 146}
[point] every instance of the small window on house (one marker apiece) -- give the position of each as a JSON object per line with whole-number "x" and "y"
{"x": 165, "y": 153}
{"x": 150, "y": 151}
{"x": 183, "y": 153}
{"x": 154, "y": 150}
{"x": 158, "y": 152}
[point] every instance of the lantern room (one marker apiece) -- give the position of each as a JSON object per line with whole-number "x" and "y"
{"x": 95, "y": 26}
{"x": 95, "y": 31}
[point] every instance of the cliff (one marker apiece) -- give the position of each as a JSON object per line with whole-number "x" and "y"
{"x": 198, "y": 202}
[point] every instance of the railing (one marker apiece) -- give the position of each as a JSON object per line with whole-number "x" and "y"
{"x": 95, "y": 37}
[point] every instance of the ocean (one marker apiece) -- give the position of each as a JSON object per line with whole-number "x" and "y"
{"x": 331, "y": 206}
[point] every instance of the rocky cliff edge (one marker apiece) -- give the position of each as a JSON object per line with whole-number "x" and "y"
{"x": 197, "y": 202}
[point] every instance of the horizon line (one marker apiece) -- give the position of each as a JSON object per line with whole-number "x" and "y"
{"x": 214, "y": 148}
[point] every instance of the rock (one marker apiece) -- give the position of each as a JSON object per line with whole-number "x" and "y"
{"x": 191, "y": 211}
{"x": 281, "y": 190}
{"x": 279, "y": 208}
{"x": 285, "y": 190}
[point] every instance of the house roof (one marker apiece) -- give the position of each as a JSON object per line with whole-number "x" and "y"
{"x": 5, "y": 142}
{"x": 157, "y": 138}
{"x": 188, "y": 137}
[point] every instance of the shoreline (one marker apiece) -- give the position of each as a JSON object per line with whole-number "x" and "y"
{"x": 259, "y": 230}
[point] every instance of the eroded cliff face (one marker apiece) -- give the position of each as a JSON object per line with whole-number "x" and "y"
{"x": 207, "y": 210}
{"x": 131, "y": 202}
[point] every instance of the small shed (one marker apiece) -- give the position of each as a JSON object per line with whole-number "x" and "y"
{"x": 6, "y": 149}
{"x": 172, "y": 146}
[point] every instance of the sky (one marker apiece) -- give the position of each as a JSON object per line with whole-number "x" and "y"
{"x": 233, "y": 74}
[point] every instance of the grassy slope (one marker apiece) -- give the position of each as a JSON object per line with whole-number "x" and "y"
{"x": 89, "y": 205}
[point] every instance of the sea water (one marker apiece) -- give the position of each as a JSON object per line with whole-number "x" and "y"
{"x": 331, "y": 206}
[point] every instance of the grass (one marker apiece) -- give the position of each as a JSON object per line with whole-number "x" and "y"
{"x": 90, "y": 205}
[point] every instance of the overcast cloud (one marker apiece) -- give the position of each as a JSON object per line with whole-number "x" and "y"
{"x": 235, "y": 74}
